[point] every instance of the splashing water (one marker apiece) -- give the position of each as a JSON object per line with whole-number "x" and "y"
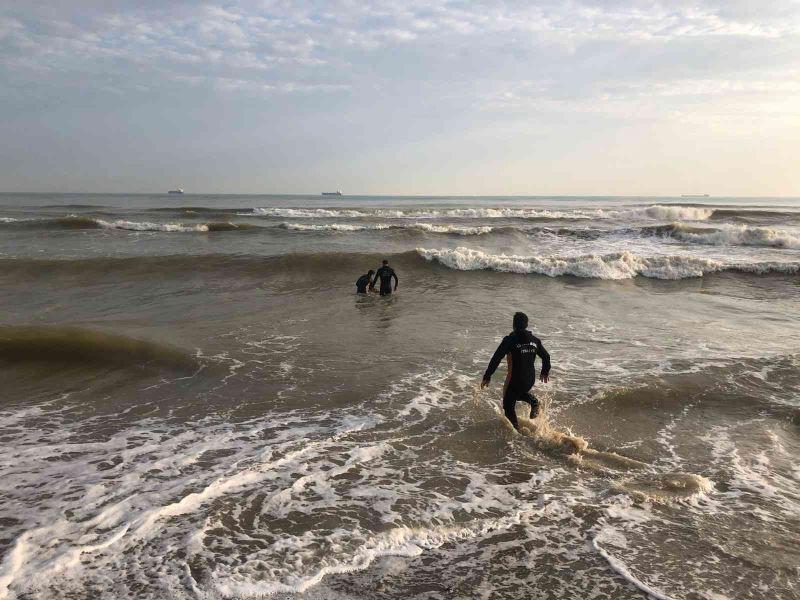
{"x": 651, "y": 486}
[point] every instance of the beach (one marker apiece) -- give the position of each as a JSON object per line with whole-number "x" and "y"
{"x": 196, "y": 404}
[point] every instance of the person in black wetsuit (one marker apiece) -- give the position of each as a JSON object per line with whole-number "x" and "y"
{"x": 521, "y": 348}
{"x": 364, "y": 282}
{"x": 385, "y": 274}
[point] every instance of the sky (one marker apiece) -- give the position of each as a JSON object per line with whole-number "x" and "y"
{"x": 578, "y": 97}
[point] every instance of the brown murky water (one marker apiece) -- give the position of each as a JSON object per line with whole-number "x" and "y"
{"x": 196, "y": 404}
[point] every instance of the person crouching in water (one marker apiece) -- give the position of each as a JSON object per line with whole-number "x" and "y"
{"x": 363, "y": 282}
{"x": 521, "y": 348}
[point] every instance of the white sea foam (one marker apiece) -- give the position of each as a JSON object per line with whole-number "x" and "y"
{"x": 738, "y": 235}
{"x": 512, "y": 213}
{"x": 656, "y": 212}
{"x": 306, "y": 213}
{"x": 400, "y": 541}
{"x": 752, "y": 473}
{"x": 668, "y": 488}
{"x": 345, "y": 227}
{"x": 462, "y": 213}
{"x": 451, "y": 229}
{"x": 621, "y": 265}
{"x": 148, "y": 226}
{"x": 351, "y": 227}
{"x": 673, "y": 212}
{"x": 620, "y": 567}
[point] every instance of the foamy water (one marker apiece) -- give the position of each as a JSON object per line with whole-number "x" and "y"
{"x": 197, "y": 405}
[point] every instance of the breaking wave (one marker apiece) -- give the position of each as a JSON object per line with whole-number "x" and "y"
{"x": 424, "y": 227}
{"x": 735, "y": 235}
{"x": 344, "y": 227}
{"x": 674, "y": 213}
{"x": 307, "y": 213}
{"x": 656, "y": 212}
{"x": 462, "y": 213}
{"x": 83, "y": 222}
{"x": 620, "y": 265}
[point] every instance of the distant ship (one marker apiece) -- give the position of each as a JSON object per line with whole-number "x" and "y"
{"x": 177, "y": 191}
{"x": 694, "y": 196}
{"x": 336, "y": 193}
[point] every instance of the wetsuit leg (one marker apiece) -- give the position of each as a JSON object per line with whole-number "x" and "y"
{"x": 509, "y": 402}
{"x": 510, "y": 399}
{"x": 386, "y": 291}
{"x": 533, "y": 401}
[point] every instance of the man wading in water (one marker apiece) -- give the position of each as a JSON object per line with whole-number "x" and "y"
{"x": 385, "y": 274}
{"x": 521, "y": 347}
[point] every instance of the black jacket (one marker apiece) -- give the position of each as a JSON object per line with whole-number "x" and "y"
{"x": 524, "y": 347}
{"x": 362, "y": 283}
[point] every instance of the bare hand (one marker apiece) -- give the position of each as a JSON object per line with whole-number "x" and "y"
{"x": 544, "y": 378}
{"x": 484, "y": 383}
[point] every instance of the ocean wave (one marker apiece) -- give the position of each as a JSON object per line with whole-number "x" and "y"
{"x": 68, "y": 222}
{"x": 668, "y": 212}
{"x": 462, "y": 213}
{"x": 427, "y": 227}
{"x": 84, "y": 222}
{"x": 620, "y": 265}
{"x": 62, "y": 344}
{"x": 752, "y": 214}
{"x": 655, "y": 212}
{"x": 514, "y": 213}
{"x": 424, "y": 227}
{"x": 736, "y": 235}
{"x": 147, "y": 226}
{"x": 344, "y": 227}
{"x": 175, "y": 227}
{"x": 307, "y": 213}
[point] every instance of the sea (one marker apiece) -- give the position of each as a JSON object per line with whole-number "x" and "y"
{"x": 195, "y": 403}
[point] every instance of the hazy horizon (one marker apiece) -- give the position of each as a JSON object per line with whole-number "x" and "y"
{"x": 589, "y": 98}
{"x": 346, "y": 195}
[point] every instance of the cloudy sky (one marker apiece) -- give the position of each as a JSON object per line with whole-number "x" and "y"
{"x": 391, "y": 97}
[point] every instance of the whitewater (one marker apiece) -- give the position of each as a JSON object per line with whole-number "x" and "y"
{"x": 196, "y": 404}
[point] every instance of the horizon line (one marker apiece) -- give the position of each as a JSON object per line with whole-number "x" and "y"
{"x": 391, "y": 195}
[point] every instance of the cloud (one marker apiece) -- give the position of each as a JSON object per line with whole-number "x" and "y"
{"x": 635, "y": 49}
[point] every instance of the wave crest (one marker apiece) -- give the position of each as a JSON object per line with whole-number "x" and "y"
{"x": 424, "y": 227}
{"x": 84, "y": 222}
{"x": 656, "y": 212}
{"x": 675, "y": 212}
{"x": 64, "y": 344}
{"x": 461, "y": 213}
{"x": 620, "y": 265}
{"x": 737, "y": 235}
